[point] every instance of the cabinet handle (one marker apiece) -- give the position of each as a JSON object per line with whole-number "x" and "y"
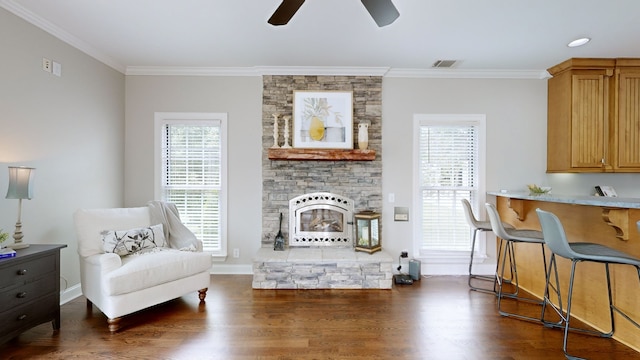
{"x": 22, "y": 317}
{"x": 22, "y": 272}
{"x": 22, "y": 295}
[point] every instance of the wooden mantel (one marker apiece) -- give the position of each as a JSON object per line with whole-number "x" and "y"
{"x": 321, "y": 154}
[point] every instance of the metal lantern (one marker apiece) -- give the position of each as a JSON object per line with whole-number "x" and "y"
{"x": 368, "y": 232}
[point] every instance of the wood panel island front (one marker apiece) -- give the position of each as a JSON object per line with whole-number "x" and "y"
{"x": 608, "y": 221}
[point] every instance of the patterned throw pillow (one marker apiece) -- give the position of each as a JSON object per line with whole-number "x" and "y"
{"x": 126, "y": 242}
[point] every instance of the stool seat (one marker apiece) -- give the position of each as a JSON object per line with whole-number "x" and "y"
{"x": 601, "y": 253}
{"x": 525, "y": 235}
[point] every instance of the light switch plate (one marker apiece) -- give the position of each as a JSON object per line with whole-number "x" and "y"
{"x": 57, "y": 69}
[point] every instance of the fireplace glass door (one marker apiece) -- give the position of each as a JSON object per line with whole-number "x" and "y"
{"x": 323, "y": 220}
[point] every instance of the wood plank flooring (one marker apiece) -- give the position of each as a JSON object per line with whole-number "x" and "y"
{"x": 435, "y": 318}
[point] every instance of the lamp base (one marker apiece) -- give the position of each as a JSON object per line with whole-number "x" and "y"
{"x": 18, "y": 246}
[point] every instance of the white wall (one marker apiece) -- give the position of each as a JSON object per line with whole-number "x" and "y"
{"x": 70, "y": 128}
{"x": 241, "y": 99}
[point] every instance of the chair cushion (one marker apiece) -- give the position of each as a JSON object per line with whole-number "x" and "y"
{"x": 145, "y": 270}
{"x": 126, "y": 242}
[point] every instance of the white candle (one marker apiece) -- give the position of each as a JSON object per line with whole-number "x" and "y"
{"x": 275, "y": 131}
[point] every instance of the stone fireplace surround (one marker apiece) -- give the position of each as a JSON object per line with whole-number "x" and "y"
{"x": 283, "y": 180}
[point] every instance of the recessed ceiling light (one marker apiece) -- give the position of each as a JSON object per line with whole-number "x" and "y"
{"x": 579, "y": 42}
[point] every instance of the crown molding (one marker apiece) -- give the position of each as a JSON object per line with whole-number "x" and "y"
{"x": 468, "y": 74}
{"x": 190, "y": 71}
{"x": 323, "y": 70}
{"x": 256, "y": 71}
{"x": 54, "y": 30}
{"x": 337, "y": 71}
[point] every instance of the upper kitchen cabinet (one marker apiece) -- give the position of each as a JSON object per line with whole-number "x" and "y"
{"x": 594, "y": 116}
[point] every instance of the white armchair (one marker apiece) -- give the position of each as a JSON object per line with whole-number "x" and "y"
{"x": 120, "y": 285}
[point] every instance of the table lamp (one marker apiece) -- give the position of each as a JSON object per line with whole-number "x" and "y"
{"x": 20, "y": 187}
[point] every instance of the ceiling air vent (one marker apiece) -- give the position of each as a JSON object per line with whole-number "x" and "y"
{"x": 443, "y": 64}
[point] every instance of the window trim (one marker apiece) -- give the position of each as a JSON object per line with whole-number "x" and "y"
{"x": 450, "y": 257}
{"x": 162, "y": 118}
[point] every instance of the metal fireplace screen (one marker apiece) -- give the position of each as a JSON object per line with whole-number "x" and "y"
{"x": 321, "y": 219}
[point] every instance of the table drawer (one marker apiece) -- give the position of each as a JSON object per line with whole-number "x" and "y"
{"x": 23, "y": 271}
{"x": 17, "y": 295}
{"x": 30, "y": 314}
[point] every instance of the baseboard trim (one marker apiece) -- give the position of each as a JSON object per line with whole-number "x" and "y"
{"x": 457, "y": 269}
{"x": 222, "y": 269}
{"x": 70, "y": 294}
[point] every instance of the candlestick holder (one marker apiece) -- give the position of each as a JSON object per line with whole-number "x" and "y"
{"x": 286, "y": 132}
{"x": 275, "y": 131}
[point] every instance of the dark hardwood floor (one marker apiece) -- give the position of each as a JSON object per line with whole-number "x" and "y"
{"x": 435, "y": 318}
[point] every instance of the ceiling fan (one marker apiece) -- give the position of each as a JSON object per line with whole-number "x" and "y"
{"x": 383, "y": 12}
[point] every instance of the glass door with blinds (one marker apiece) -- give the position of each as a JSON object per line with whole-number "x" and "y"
{"x": 449, "y": 163}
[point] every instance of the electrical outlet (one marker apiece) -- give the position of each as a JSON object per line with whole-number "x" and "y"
{"x": 236, "y": 253}
{"x": 46, "y": 65}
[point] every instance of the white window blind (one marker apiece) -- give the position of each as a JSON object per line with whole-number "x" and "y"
{"x": 449, "y": 159}
{"x": 192, "y": 169}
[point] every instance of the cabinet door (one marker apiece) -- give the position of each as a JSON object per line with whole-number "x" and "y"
{"x": 589, "y": 116}
{"x": 628, "y": 126}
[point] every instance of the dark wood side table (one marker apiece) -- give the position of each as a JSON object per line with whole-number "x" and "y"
{"x": 29, "y": 290}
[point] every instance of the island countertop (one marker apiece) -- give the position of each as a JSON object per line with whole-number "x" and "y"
{"x": 603, "y": 201}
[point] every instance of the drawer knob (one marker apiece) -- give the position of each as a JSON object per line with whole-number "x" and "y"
{"x": 22, "y": 295}
{"x": 22, "y": 272}
{"x": 22, "y": 317}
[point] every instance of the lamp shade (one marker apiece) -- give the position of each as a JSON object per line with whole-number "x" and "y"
{"x": 20, "y": 182}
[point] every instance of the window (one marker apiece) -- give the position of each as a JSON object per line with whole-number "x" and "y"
{"x": 449, "y": 157}
{"x": 191, "y": 172}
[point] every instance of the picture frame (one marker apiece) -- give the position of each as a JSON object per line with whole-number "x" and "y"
{"x": 323, "y": 119}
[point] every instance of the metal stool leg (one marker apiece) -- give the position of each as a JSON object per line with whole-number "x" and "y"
{"x": 515, "y": 295}
{"x": 478, "y": 277}
{"x": 565, "y": 319}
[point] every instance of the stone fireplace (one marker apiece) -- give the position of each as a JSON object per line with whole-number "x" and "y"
{"x": 319, "y": 251}
{"x": 284, "y": 180}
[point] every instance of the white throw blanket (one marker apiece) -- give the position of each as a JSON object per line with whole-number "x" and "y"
{"x": 177, "y": 235}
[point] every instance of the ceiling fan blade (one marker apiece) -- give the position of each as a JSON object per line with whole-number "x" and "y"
{"x": 383, "y": 12}
{"x": 285, "y": 12}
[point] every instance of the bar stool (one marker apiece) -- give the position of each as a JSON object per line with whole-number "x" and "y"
{"x": 556, "y": 239}
{"x": 478, "y": 226}
{"x": 510, "y": 237}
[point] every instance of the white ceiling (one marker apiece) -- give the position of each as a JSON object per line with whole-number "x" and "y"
{"x": 505, "y": 35}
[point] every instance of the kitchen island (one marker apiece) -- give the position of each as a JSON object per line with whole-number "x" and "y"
{"x": 603, "y": 220}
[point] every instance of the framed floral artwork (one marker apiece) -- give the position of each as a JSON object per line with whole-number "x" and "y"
{"x": 323, "y": 119}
